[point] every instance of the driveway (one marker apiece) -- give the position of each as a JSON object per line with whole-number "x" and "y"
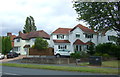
{"x": 11, "y": 59}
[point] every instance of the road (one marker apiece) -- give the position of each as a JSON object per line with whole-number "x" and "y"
{"x": 27, "y": 71}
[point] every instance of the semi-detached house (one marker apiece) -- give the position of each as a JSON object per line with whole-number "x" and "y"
{"x": 26, "y": 40}
{"x": 77, "y": 39}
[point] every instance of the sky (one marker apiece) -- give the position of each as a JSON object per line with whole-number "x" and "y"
{"x": 48, "y": 15}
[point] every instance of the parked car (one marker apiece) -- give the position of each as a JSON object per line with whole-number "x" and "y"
{"x": 62, "y": 52}
{"x": 12, "y": 55}
{"x": 2, "y": 56}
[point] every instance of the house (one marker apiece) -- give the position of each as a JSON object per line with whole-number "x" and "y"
{"x": 73, "y": 39}
{"x": 108, "y": 36}
{"x": 78, "y": 38}
{"x": 26, "y": 40}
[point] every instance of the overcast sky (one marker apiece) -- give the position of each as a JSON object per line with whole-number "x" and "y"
{"x": 48, "y": 14}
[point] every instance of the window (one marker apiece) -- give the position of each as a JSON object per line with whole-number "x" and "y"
{"x": 60, "y": 36}
{"x": 27, "y": 41}
{"x": 18, "y": 40}
{"x": 16, "y": 48}
{"x": 111, "y": 38}
{"x": 77, "y": 35}
{"x": 88, "y": 35}
{"x": 62, "y": 47}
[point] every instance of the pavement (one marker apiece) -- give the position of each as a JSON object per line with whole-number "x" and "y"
{"x": 12, "y": 59}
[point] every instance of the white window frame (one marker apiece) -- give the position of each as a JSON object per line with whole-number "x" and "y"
{"x": 60, "y": 36}
{"x": 62, "y": 46}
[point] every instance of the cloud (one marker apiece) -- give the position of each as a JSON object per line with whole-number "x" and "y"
{"x": 48, "y": 14}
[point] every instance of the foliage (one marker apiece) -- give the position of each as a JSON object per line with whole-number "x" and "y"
{"x": 78, "y": 55}
{"x": 99, "y": 15}
{"x": 6, "y": 45}
{"x": 29, "y": 25}
{"x": 40, "y": 43}
{"x": 91, "y": 50}
{"x": 108, "y": 48}
{"x": 75, "y": 55}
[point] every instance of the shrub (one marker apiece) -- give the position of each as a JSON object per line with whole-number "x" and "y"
{"x": 108, "y": 48}
{"x": 40, "y": 43}
{"x": 106, "y": 55}
{"x": 75, "y": 55}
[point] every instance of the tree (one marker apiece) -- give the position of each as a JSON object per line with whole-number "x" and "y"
{"x": 6, "y": 45}
{"x": 99, "y": 15}
{"x": 29, "y": 25}
{"x": 40, "y": 43}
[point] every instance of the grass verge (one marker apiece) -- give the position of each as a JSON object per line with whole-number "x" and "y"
{"x": 113, "y": 64}
{"x": 65, "y": 68}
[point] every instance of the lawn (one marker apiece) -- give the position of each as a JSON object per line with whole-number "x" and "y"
{"x": 113, "y": 63}
{"x": 65, "y": 68}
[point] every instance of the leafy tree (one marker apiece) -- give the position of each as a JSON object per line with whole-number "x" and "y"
{"x": 3, "y": 45}
{"x": 6, "y": 45}
{"x": 99, "y": 15}
{"x": 29, "y": 25}
{"x": 40, "y": 43}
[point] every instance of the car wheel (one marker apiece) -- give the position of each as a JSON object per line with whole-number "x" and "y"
{"x": 58, "y": 55}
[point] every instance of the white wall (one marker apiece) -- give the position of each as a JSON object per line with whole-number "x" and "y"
{"x": 22, "y": 43}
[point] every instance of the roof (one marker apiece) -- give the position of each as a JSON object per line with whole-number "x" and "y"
{"x": 84, "y": 29}
{"x": 26, "y": 46}
{"x": 34, "y": 34}
{"x": 89, "y": 43}
{"x": 62, "y": 31}
{"x": 67, "y": 30}
{"x": 79, "y": 42}
{"x": 61, "y": 41}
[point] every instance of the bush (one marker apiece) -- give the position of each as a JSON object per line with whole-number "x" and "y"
{"x": 108, "y": 48}
{"x": 78, "y": 55}
{"x": 84, "y": 54}
{"x": 40, "y": 43}
{"x": 106, "y": 55}
{"x": 75, "y": 55}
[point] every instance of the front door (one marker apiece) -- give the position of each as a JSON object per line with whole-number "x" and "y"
{"x": 77, "y": 47}
{"x": 26, "y": 51}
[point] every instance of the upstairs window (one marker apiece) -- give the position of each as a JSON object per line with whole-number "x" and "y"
{"x": 88, "y": 35}
{"x": 60, "y": 36}
{"x": 77, "y": 35}
{"x": 112, "y": 38}
{"x": 27, "y": 41}
{"x": 18, "y": 40}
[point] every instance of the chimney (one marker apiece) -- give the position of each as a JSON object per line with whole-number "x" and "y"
{"x": 20, "y": 33}
{"x": 9, "y": 34}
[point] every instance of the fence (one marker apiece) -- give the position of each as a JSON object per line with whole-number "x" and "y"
{"x": 41, "y": 52}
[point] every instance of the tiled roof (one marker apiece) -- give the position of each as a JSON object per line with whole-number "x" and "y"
{"x": 61, "y": 41}
{"x": 34, "y": 34}
{"x": 89, "y": 43}
{"x": 84, "y": 29}
{"x": 67, "y": 30}
{"x": 79, "y": 42}
{"x": 62, "y": 31}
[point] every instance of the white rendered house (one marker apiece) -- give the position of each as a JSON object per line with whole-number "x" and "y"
{"x": 73, "y": 39}
{"x": 23, "y": 41}
{"x": 77, "y": 38}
